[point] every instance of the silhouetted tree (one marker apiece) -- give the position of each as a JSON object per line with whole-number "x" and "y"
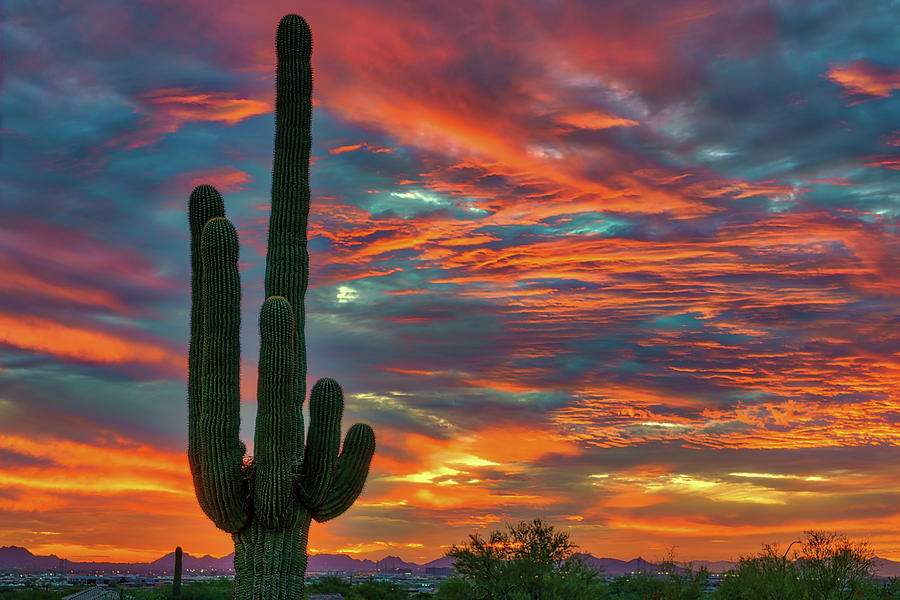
{"x": 832, "y": 566}
{"x": 529, "y": 562}
{"x": 825, "y": 566}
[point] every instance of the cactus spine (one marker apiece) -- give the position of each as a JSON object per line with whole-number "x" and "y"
{"x": 176, "y": 575}
{"x": 267, "y": 503}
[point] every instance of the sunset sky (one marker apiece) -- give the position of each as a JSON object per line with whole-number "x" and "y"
{"x": 630, "y": 267}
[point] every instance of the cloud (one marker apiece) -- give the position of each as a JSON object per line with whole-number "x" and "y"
{"x": 594, "y": 120}
{"x": 228, "y": 179}
{"x": 172, "y": 108}
{"x": 359, "y": 146}
{"x": 75, "y": 343}
{"x": 864, "y": 80}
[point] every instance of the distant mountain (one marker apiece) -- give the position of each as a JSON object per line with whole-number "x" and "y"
{"x": 395, "y": 563}
{"x": 616, "y": 567}
{"x": 886, "y": 568}
{"x": 337, "y": 562}
{"x": 206, "y": 562}
{"x": 442, "y": 562}
{"x": 714, "y": 566}
{"x": 15, "y": 558}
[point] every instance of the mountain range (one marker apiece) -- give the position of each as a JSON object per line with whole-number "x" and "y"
{"x": 15, "y": 558}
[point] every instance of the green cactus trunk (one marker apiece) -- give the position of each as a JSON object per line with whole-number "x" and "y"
{"x": 176, "y": 575}
{"x": 267, "y": 503}
{"x": 276, "y": 571}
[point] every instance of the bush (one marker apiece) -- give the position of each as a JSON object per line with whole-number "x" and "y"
{"x": 220, "y": 589}
{"x": 380, "y": 590}
{"x": 333, "y": 585}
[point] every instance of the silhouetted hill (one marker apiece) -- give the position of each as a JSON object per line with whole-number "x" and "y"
{"x": 15, "y": 558}
{"x": 607, "y": 566}
{"x": 206, "y": 562}
{"x": 885, "y": 567}
{"x": 615, "y": 567}
{"x": 392, "y": 563}
{"x": 444, "y": 561}
{"x": 337, "y": 562}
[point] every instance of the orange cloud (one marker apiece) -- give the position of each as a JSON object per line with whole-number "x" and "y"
{"x": 354, "y": 147}
{"x": 184, "y": 105}
{"x": 171, "y": 108}
{"x": 17, "y": 281}
{"x": 125, "y": 455}
{"x": 594, "y": 120}
{"x": 863, "y": 78}
{"x": 79, "y": 343}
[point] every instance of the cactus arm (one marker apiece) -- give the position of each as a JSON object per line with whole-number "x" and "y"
{"x": 205, "y": 203}
{"x": 287, "y": 258}
{"x": 326, "y": 407}
{"x": 221, "y": 450}
{"x": 350, "y": 475}
{"x": 273, "y": 500}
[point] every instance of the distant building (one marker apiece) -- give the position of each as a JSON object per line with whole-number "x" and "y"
{"x": 89, "y": 580}
{"x": 439, "y": 571}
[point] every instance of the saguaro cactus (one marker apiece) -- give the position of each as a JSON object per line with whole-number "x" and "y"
{"x": 267, "y": 503}
{"x": 176, "y": 575}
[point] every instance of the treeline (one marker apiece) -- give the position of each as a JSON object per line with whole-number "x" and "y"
{"x": 532, "y": 561}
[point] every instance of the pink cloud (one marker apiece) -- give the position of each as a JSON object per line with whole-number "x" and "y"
{"x": 65, "y": 248}
{"x": 888, "y": 161}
